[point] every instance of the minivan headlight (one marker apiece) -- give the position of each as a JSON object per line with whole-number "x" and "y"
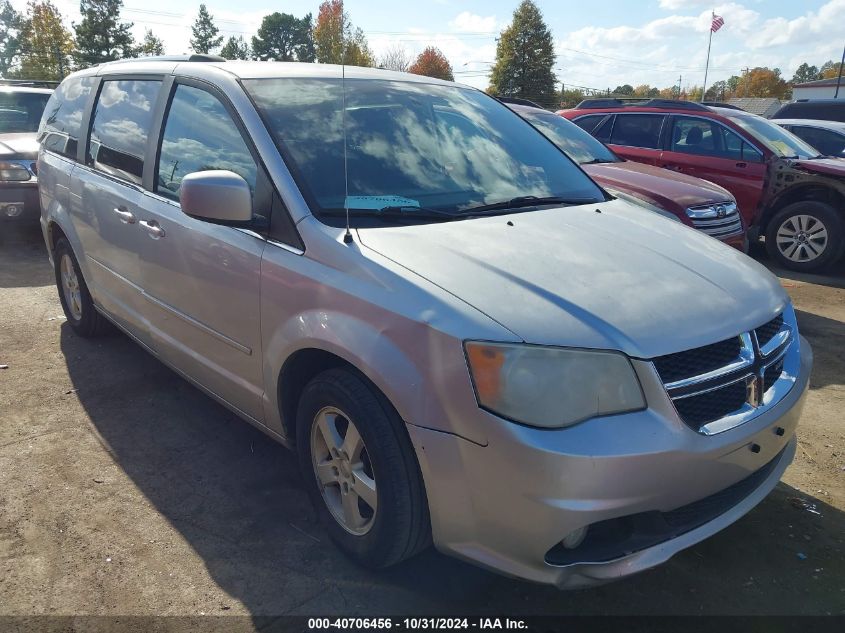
{"x": 551, "y": 387}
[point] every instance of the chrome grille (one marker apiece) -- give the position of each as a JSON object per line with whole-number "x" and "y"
{"x": 717, "y": 220}
{"x": 721, "y": 385}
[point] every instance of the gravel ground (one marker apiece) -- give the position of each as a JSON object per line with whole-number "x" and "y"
{"x": 125, "y": 491}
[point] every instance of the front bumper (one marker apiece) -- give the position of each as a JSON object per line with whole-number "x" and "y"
{"x": 19, "y": 201}
{"x": 507, "y": 504}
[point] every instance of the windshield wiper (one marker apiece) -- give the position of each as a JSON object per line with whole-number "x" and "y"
{"x": 392, "y": 212}
{"x": 525, "y": 201}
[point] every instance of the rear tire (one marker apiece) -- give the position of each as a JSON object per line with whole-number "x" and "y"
{"x": 369, "y": 491}
{"x": 805, "y": 236}
{"x": 74, "y": 295}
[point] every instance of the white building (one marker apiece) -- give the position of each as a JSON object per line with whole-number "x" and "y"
{"x": 819, "y": 89}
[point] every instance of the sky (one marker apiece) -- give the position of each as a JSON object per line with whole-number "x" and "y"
{"x": 598, "y": 44}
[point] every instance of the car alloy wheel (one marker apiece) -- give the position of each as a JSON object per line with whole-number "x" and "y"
{"x": 70, "y": 287}
{"x": 802, "y": 238}
{"x": 343, "y": 470}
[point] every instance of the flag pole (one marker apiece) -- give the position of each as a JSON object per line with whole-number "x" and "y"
{"x": 707, "y": 66}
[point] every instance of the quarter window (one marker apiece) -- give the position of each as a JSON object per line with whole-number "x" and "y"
{"x": 62, "y": 118}
{"x": 119, "y": 130}
{"x": 200, "y": 135}
{"x": 637, "y": 130}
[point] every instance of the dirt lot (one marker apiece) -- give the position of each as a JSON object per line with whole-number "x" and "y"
{"x": 123, "y": 490}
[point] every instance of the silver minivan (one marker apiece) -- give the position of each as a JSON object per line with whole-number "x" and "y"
{"x": 464, "y": 338}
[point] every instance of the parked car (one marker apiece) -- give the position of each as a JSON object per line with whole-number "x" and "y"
{"x": 694, "y": 202}
{"x": 827, "y": 137}
{"x": 785, "y": 189}
{"x": 21, "y": 107}
{"x": 465, "y": 340}
{"x": 820, "y": 109}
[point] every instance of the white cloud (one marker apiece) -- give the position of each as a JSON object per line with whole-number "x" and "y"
{"x": 467, "y": 22}
{"x": 825, "y": 24}
{"x": 674, "y": 5}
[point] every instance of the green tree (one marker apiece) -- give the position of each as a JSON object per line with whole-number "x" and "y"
{"x": 235, "y": 48}
{"x": 336, "y": 41}
{"x": 804, "y": 73}
{"x": 100, "y": 35}
{"x": 151, "y": 45}
{"x": 432, "y": 63}
{"x": 10, "y": 27}
{"x": 525, "y": 58}
{"x": 205, "y": 32}
{"x": 718, "y": 91}
{"x": 284, "y": 38}
{"x": 624, "y": 90}
{"x": 48, "y": 46}
{"x": 571, "y": 97}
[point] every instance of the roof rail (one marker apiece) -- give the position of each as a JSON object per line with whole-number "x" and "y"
{"x": 196, "y": 57}
{"x": 721, "y": 104}
{"x": 520, "y": 101}
{"x": 594, "y": 104}
{"x": 30, "y": 83}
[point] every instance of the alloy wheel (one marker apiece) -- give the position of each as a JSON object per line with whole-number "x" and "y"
{"x": 343, "y": 470}
{"x": 802, "y": 238}
{"x": 70, "y": 287}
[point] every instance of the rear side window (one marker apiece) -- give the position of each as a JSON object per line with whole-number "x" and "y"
{"x": 62, "y": 120}
{"x": 200, "y": 135}
{"x": 828, "y": 142}
{"x": 637, "y": 130}
{"x": 119, "y": 129}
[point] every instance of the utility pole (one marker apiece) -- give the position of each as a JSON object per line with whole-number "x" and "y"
{"x": 744, "y": 73}
{"x": 680, "y": 77}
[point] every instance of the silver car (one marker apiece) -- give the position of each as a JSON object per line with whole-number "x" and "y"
{"x": 464, "y": 338}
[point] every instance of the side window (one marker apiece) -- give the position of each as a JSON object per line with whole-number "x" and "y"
{"x": 119, "y": 129}
{"x": 751, "y": 154}
{"x": 697, "y": 136}
{"x": 637, "y": 130}
{"x": 826, "y": 142}
{"x": 62, "y": 119}
{"x": 200, "y": 135}
{"x": 589, "y": 123}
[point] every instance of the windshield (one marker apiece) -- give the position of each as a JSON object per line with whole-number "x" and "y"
{"x": 578, "y": 144}
{"x": 411, "y": 147}
{"x": 21, "y": 111}
{"x": 782, "y": 142}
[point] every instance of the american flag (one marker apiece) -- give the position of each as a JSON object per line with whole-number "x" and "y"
{"x": 717, "y": 23}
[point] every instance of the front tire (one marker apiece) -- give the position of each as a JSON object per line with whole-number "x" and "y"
{"x": 805, "y": 236}
{"x": 73, "y": 293}
{"x": 360, "y": 470}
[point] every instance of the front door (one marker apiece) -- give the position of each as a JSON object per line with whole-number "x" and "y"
{"x": 706, "y": 149}
{"x": 202, "y": 279}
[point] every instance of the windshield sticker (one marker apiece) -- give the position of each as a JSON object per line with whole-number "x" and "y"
{"x": 379, "y": 202}
{"x": 782, "y": 148}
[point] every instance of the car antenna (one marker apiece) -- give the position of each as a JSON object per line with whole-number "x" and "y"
{"x": 347, "y": 237}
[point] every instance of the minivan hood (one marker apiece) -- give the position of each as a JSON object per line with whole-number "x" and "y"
{"x": 622, "y": 278}
{"x": 669, "y": 190}
{"x": 21, "y": 145}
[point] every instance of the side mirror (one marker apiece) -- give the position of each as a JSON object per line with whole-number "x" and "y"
{"x": 216, "y": 195}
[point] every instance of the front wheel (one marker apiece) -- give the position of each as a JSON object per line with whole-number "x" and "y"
{"x": 805, "y": 236}
{"x": 360, "y": 469}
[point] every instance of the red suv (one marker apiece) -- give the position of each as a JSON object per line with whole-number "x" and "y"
{"x": 784, "y": 188}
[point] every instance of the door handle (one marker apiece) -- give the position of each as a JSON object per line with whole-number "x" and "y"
{"x": 742, "y": 164}
{"x": 671, "y": 167}
{"x": 152, "y": 227}
{"x": 125, "y": 215}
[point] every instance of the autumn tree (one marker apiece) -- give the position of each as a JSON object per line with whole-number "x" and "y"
{"x": 284, "y": 38}
{"x": 645, "y": 90}
{"x": 625, "y": 90}
{"x": 805, "y": 73}
{"x": 829, "y": 70}
{"x": 336, "y": 41}
{"x": 395, "y": 58}
{"x": 571, "y": 97}
{"x": 432, "y": 63}
{"x": 100, "y": 35}
{"x": 151, "y": 44}
{"x": 762, "y": 82}
{"x": 235, "y": 48}
{"x": 11, "y": 22}
{"x": 525, "y": 58}
{"x": 205, "y": 32}
{"x": 47, "y": 45}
